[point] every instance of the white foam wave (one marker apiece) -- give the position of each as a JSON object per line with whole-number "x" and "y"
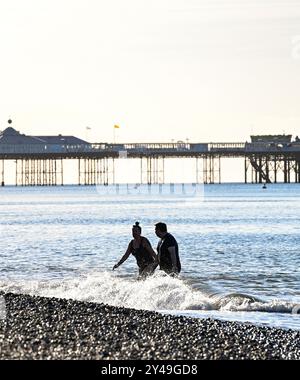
{"x": 158, "y": 292}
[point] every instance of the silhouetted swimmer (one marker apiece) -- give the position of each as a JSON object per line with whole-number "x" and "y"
{"x": 142, "y": 250}
{"x": 167, "y": 249}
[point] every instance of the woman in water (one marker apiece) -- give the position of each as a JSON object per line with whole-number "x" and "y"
{"x": 141, "y": 249}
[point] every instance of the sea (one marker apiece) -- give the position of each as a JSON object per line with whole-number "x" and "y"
{"x": 239, "y": 247}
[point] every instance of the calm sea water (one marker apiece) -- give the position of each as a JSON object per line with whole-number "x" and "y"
{"x": 239, "y": 247}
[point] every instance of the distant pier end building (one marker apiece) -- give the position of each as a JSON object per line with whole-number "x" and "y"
{"x": 13, "y": 142}
{"x": 39, "y": 159}
{"x": 271, "y": 139}
{"x": 271, "y": 155}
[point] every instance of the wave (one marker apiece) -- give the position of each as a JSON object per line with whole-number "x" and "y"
{"x": 158, "y": 292}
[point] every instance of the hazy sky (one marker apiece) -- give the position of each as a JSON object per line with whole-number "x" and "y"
{"x": 206, "y": 70}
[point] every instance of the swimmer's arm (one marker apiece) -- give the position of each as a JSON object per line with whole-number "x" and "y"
{"x": 148, "y": 247}
{"x": 172, "y": 251}
{"x": 124, "y": 258}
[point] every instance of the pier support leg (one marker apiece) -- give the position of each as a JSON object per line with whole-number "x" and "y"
{"x": 246, "y": 165}
{"x": 259, "y": 173}
{"x": 152, "y": 170}
{"x": 199, "y": 170}
{"x": 261, "y": 168}
{"x": 216, "y": 172}
{"x": 96, "y": 171}
{"x": 297, "y": 169}
{"x": 267, "y": 170}
{"x": 205, "y": 170}
{"x": 62, "y": 171}
{"x": 38, "y": 172}
{"x": 211, "y": 169}
{"x": 285, "y": 170}
{"x": 256, "y": 172}
{"x": 2, "y": 180}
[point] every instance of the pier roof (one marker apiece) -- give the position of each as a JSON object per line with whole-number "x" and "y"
{"x": 13, "y": 137}
{"x": 271, "y": 138}
{"x": 61, "y": 139}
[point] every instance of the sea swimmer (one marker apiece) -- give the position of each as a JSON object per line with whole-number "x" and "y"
{"x": 168, "y": 252}
{"x": 142, "y": 250}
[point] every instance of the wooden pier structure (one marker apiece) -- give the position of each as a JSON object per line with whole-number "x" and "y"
{"x": 39, "y": 160}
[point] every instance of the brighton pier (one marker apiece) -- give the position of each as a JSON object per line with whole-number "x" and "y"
{"x": 39, "y": 160}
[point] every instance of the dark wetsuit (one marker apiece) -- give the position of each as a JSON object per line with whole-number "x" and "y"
{"x": 143, "y": 257}
{"x": 165, "y": 260}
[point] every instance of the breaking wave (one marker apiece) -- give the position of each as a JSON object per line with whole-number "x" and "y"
{"x": 158, "y": 292}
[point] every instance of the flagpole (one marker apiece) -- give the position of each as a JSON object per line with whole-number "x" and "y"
{"x": 86, "y": 132}
{"x": 115, "y": 127}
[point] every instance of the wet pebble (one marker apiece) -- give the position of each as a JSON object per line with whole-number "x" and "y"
{"x": 50, "y": 328}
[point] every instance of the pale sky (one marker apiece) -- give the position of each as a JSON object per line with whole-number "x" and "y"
{"x": 207, "y": 70}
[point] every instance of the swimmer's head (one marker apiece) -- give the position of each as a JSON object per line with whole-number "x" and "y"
{"x": 161, "y": 229}
{"x": 136, "y": 230}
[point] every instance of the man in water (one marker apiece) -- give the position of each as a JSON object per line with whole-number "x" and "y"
{"x": 167, "y": 249}
{"x": 141, "y": 249}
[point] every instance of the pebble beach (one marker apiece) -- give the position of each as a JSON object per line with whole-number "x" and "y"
{"x": 51, "y": 328}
